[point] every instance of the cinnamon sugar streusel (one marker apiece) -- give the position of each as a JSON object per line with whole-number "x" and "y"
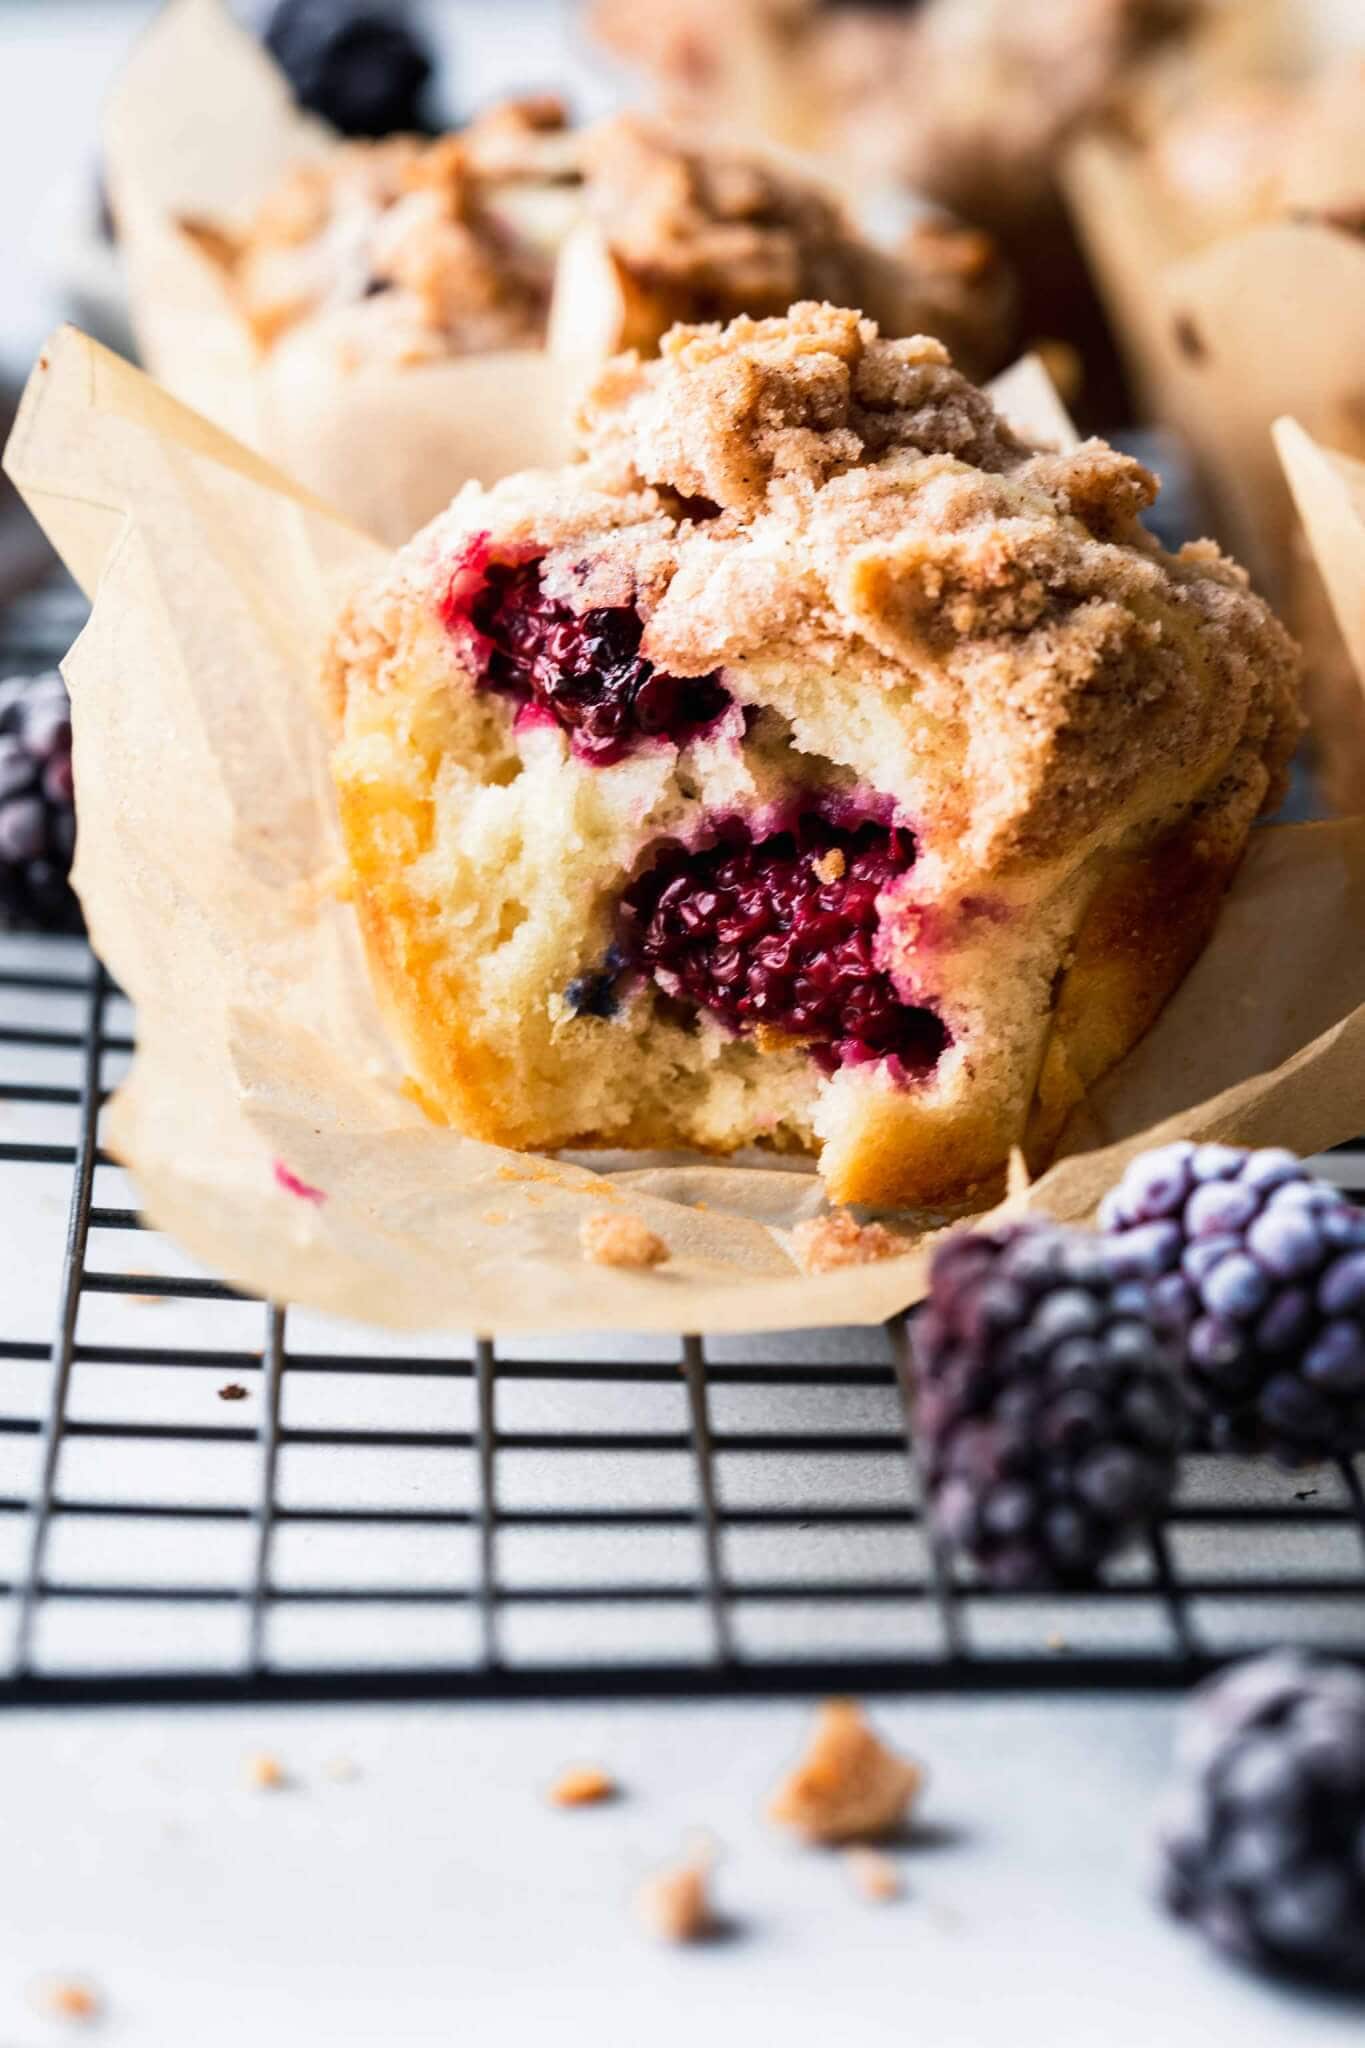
{"x": 609, "y": 1240}
{"x": 848, "y": 1786}
{"x": 824, "y": 1244}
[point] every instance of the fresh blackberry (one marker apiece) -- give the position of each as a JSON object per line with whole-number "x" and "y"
{"x": 1263, "y": 1841}
{"x": 1046, "y": 1403}
{"x": 358, "y": 64}
{"x": 37, "y": 811}
{"x": 1261, "y": 1270}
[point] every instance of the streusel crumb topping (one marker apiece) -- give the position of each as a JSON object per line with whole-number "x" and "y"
{"x": 1063, "y": 672}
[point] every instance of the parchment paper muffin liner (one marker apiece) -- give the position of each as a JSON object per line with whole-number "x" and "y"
{"x": 265, "y": 1119}
{"x": 1223, "y": 338}
{"x": 200, "y": 127}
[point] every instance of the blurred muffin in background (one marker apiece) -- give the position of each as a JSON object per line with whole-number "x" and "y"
{"x": 1262, "y": 149}
{"x": 970, "y": 102}
{"x": 702, "y": 231}
{"x": 404, "y": 251}
{"x": 407, "y": 251}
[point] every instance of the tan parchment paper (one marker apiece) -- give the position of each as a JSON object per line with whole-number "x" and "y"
{"x": 265, "y": 1119}
{"x": 200, "y": 127}
{"x": 1223, "y": 336}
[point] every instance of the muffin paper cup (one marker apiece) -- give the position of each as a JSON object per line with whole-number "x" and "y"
{"x": 1224, "y": 338}
{"x": 1329, "y": 495}
{"x": 200, "y": 127}
{"x": 265, "y": 1118}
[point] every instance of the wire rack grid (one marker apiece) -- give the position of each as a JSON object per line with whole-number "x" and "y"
{"x": 268, "y": 1504}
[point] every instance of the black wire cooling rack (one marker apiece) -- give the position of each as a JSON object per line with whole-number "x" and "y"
{"x": 272, "y": 1506}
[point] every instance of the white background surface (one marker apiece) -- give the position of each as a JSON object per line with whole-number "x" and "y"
{"x": 434, "y": 1898}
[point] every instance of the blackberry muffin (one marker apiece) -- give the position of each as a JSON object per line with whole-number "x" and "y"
{"x": 1266, "y": 149}
{"x": 811, "y": 764}
{"x": 971, "y": 103}
{"x": 407, "y": 251}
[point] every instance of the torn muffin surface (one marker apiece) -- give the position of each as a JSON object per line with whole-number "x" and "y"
{"x": 811, "y": 764}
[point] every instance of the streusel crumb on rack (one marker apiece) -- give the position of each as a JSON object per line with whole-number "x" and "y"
{"x": 610, "y": 1240}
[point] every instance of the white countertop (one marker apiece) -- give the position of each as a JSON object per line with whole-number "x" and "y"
{"x": 434, "y": 1898}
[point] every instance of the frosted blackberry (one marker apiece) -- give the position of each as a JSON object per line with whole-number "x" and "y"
{"x": 37, "y": 811}
{"x": 1261, "y": 1270}
{"x": 1263, "y": 1841}
{"x": 359, "y": 64}
{"x": 1047, "y": 1406}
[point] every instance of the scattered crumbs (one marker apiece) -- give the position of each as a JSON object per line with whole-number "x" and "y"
{"x": 1055, "y": 1641}
{"x": 292, "y": 1185}
{"x": 67, "y": 1998}
{"x": 342, "y": 1770}
{"x": 830, "y": 866}
{"x": 872, "y": 1874}
{"x": 495, "y": 1216}
{"x": 545, "y": 1170}
{"x": 620, "y": 1241}
{"x": 848, "y": 1786}
{"x": 265, "y": 1773}
{"x": 582, "y": 1785}
{"x": 675, "y": 1903}
{"x": 145, "y": 1300}
{"x": 232, "y": 1392}
{"x": 823, "y": 1244}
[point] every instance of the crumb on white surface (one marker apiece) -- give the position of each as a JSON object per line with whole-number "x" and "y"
{"x": 824, "y": 1244}
{"x": 620, "y": 1241}
{"x": 342, "y": 1770}
{"x": 848, "y": 1785}
{"x": 265, "y": 1772}
{"x": 873, "y": 1874}
{"x": 582, "y": 1785}
{"x": 675, "y": 1903}
{"x": 72, "y": 1999}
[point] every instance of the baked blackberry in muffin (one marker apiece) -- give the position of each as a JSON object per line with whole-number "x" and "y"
{"x": 407, "y": 251}
{"x": 811, "y": 764}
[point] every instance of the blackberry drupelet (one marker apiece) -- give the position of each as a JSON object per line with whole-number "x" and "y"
{"x": 585, "y": 668}
{"x": 358, "y": 64}
{"x": 1046, "y": 1404}
{"x": 37, "y": 809}
{"x": 1263, "y": 1842}
{"x": 781, "y": 933}
{"x": 1260, "y": 1269}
